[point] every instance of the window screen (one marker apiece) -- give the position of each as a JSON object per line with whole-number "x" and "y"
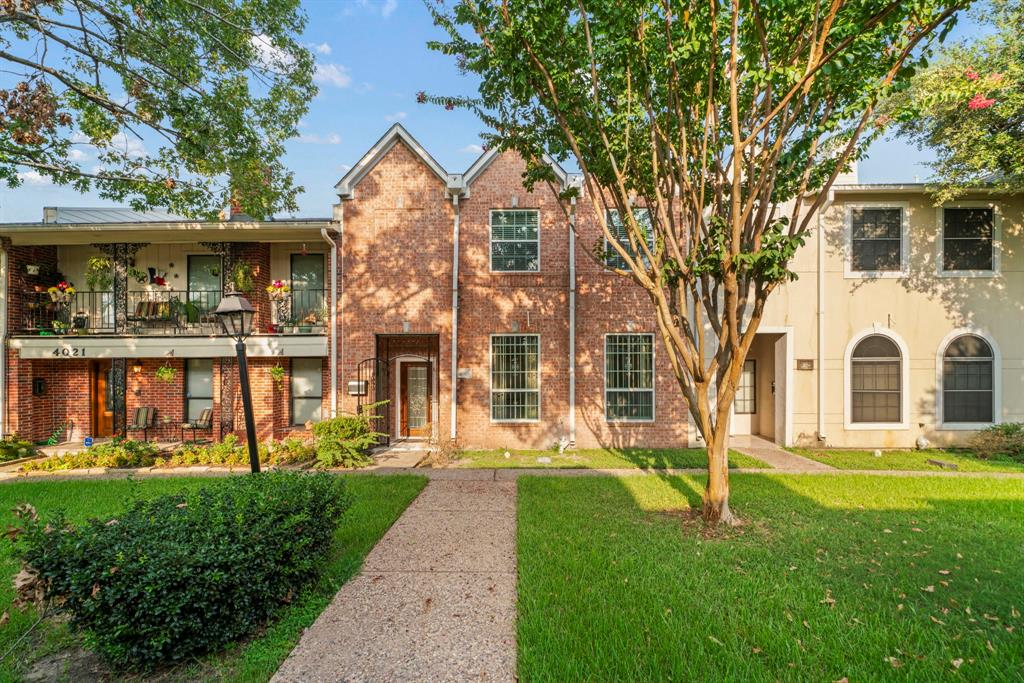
{"x": 307, "y": 390}
{"x": 612, "y": 258}
{"x": 967, "y": 239}
{"x": 515, "y": 240}
{"x": 967, "y": 381}
{"x": 515, "y": 377}
{"x": 875, "y": 373}
{"x": 198, "y": 387}
{"x": 876, "y": 239}
{"x": 629, "y": 376}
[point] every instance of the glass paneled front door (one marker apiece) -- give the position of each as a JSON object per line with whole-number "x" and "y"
{"x": 204, "y": 284}
{"x": 308, "y": 288}
{"x": 415, "y": 401}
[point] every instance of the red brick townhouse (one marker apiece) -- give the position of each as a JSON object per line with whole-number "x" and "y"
{"x": 466, "y": 308}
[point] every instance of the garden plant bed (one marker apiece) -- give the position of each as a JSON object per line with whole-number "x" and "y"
{"x": 377, "y": 503}
{"x": 908, "y": 460}
{"x": 830, "y": 577}
{"x": 603, "y": 458}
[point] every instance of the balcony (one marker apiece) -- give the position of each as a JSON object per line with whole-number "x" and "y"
{"x": 163, "y": 312}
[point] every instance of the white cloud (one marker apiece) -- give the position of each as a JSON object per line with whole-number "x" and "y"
{"x": 77, "y": 155}
{"x": 332, "y": 74}
{"x": 322, "y": 49}
{"x": 268, "y": 55}
{"x": 344, "y": 168}
{"x": 397, "y": 116}
{"x": 302, "y": 124}
{"x": 313, "y": 139}
{"x": 472, "y": 149}
{"x": 388, "y": 7}
{"x": 129, "y": 147}
{"x": 34, "y": 178}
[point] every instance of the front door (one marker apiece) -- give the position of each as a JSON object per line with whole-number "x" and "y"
{"x": 414, "y": 401}
{"x": 744, "y": 408}
{"x": 101, "y": 399}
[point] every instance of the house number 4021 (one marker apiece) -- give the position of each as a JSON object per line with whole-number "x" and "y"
{"x": 69, "y": 352}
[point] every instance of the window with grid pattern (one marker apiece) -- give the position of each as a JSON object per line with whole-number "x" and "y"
{"x": 877, "y": 239}
{"x": 515, "y": 240}
{"x": 967, "y": 381}
{"x": 307, "y": 390}
{"x": 967, "y": 239}
{"x": 198, "y": 387}
{"x": 875, "y": 381}
{"x": 746, "y": 392}
{"x": 629, "y": 377}
{"x": 515, "y": 377}
{"x": 612, "y": 258}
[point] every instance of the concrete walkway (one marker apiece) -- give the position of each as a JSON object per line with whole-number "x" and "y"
{"x": 779, "y": 458}
{"x": 435, "y": 600}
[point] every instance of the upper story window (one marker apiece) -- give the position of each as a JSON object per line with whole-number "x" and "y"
{"x": 968, "y": 381}
{"x": 515, "y": 378}
{"x": 968, "y": 239}
{"x": 877, "y": 236}
{"x": 629, "y": 377}
{"x": 876, "y": 381}
{"x": 612, "y": 258}
{"x": 515, "y": 240}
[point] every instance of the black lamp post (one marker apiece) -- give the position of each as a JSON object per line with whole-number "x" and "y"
{"x": 235, "y": 314}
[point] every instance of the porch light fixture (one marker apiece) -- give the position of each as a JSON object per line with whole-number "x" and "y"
{"x": 136, "y": 367}
{"x": 235, "y": 314}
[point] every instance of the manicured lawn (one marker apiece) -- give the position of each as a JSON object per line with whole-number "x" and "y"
{"x": 378, "y": 502}
{"x": 604, "y": 458}
{"x": 862, "y": 577}
{"x": 907, "y": 460}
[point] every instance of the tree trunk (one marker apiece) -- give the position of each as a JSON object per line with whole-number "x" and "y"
{"x": 716, "y": 494}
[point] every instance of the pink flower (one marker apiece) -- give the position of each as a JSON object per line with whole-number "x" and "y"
{"x": 979, "y": 101}
{"x": 996, "y": 78}
{"x": 971, "y": 75}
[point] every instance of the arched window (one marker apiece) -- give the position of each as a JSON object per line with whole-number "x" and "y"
{"x": 876, "y": 391}
{"x": 968, "y": 380}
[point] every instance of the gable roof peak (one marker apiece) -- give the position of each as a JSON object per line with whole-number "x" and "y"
{"x": 395, "y": 134}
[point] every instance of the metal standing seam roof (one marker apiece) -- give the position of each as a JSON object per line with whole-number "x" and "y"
{"x": 101, "y": 214}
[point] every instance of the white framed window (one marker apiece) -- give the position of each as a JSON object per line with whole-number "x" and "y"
{"x": 198, "y": 387}
{"x": 968, "y": 377}
{"x": 629, "y": 377}
{"x": 877, "y": 240}
{"x": 515, "y": 240}
{"x": 515, "y": 378}
{"x": 969, "y": 239}
{"x": 612, "y": 259}
{"x": 745, "y": 402}
{"x": 877, "y": 374}
{"x": 307, "y": 390}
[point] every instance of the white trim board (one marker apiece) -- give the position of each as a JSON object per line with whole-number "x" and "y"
{"x": 259, "y": 346}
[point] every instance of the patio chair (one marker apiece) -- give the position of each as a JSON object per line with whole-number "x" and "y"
{"x": 203, "y": 424}
{"x": 144, "y": 420}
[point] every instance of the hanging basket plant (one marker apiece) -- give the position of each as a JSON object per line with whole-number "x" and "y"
{"x": 165, "y": 373}
{"x": 99, "y": 273}
{"x": 243, "y": 277}
{"x": 277, "y": 374}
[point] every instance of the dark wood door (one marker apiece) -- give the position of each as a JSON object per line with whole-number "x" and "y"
{"x": 415, "y": 400}
{"x": 101, "y": 399}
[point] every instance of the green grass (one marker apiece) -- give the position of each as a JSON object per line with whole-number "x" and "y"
{"x": 378, "y": 502}
{"x": 618, "y": 583}
{"x": 603, "y": 458}
{"x": 907, "y": 460}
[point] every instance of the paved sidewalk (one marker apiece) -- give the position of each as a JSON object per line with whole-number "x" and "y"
{"x": 779, "y": 458}
{"x": 435, "y": 600}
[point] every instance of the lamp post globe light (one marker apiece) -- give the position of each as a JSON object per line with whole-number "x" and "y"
{"x": 235, "y": 314}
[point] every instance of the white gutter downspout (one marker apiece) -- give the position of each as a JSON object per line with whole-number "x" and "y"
{"x": 821, "y": 317}
{"x": 572, "y": 323}
{"x": 334, "y": 321}
{"x": 453, "y": 428}
{"x": 3, "y": 342}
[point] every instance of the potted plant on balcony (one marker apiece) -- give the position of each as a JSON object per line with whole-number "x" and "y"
{"x": 277, "y": 291}
{"x": 242, "y": 276}
{"x": 60, "y": 327}
{"x": 306, "y": 324}
{"x": 99, "y": 273}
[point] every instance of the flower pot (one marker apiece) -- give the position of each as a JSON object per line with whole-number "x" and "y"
{"x": 81, "y": 331}
{"x": 305, "y": 329}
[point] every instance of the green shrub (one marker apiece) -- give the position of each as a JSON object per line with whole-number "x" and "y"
{"x": 345, "y": 441}
{"x": 1005, "y": 439}
{"x": 180, "y": 575}
{"x": 116, "y": 453}
{"x": 291, "y": 450}
{"x": 227, "y": 452}
{"x": 13, "y": 448}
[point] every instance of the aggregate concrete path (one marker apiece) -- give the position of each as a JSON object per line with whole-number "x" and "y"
{"x": 435, "y": 600}
{"x": 779, "y": 458}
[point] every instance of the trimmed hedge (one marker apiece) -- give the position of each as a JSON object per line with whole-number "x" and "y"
{"x": 116, "y": 453}
{"x": 181, "y": 575}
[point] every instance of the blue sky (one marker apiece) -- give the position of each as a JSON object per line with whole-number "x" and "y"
{"x": 373, "y": 59}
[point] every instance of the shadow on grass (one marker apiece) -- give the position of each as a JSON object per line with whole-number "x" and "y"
{"x": 830, "y": 577}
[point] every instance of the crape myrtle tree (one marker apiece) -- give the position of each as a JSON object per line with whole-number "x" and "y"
{"x": 183, "y": 104}
{"x": 968, "y": 106}
{"x": 727, "y": 121}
